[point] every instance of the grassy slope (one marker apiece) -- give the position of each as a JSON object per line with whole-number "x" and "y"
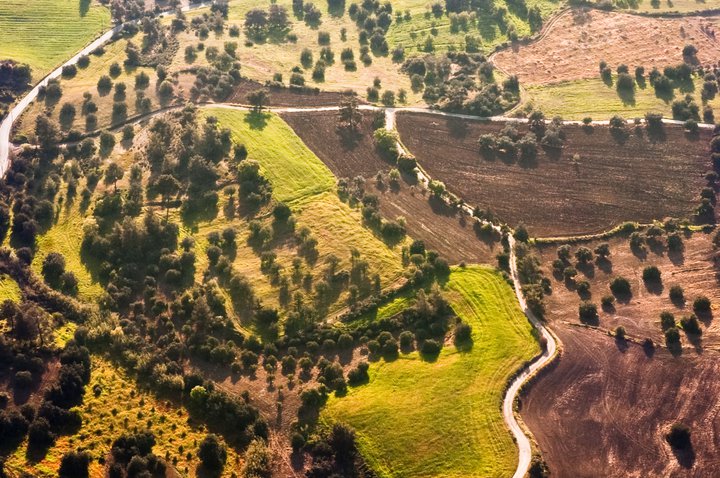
{"x": 422, "y": 23}
{"x": 44, "y": 33}
{"x": 86, "y": 81}
{"x": 418, "y": 418}
{"x": 104, "y": 420}
{"x": 581, "y": 98}
{"x": 300, "y": 179}
{"x": 261, "y": 60}
{"x": 65, "y": 237}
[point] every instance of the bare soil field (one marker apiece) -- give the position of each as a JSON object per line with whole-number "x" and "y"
{"x": 603, "y": 409}
{"x": 574, "y": 44}
{"x": 593, "y": 184}
{"x": 451, "y": 234}
{"x": 693, "y": 269}
{"x": 286, "y": 96}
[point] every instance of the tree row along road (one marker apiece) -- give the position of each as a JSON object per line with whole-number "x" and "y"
{"x": 522, "y": 440}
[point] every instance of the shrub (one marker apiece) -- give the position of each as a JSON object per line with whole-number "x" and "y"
{"x": 620, "y": 332}
{"x": 212, "y": 453}
{"x": 463, "y": 333}
{"x": 677, "y": 295}
{"x": 74, "y": 464}
{"x": 430, "y": 347}
{"x": 620, "y": 286}
{"x": 691, "y": 325}
{"x": 667, "y": 320}
{"x": 651, "y": 274}
{"x": 672, "y": 337}
{"x": 701, "y": 305}
{"x": 607, "y": 301}
{"x": 587, "y": 312}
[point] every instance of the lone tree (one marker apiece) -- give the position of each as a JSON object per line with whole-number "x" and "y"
{"x": 113, "y": 174}
{"x": 349, "y": 114}
{"x": 259, "y": 98}
{"x": 167, "y": 186}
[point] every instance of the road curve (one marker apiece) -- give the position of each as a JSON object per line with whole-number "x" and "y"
{"x": 21, "y": 106}
{"x": 522, "y": 440}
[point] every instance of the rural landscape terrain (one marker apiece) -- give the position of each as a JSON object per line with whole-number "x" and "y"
{"x": 359, "y": 238}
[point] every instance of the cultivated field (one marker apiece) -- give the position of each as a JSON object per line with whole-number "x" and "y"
{"x": 45, "y": 33}
{"x": 594, "y": 184}
{"x": 681, "y": 6}
{"x": 577, "y": 41}
{"x": 429, "y": 219}
{"x": 604, "y": 409}
{"x": 442, "y": 418}
{"x": 693, "y": 269}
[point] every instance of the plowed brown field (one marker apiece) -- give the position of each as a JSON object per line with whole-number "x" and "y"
{"x": 603, "y": 410}
{"x": 693, "y": 269}
{"x": 450, "y": 234}
{"x": 576, "y": 42}
{"x": 594, "y": 184}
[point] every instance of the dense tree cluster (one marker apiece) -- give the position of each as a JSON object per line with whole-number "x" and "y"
{"x": 470, "y": 89}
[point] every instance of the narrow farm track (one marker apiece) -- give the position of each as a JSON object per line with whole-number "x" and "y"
{"x": 508, "y": 409}
{"x": 551, "y": 347}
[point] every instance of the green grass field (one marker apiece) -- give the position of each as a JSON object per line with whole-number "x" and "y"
{"x": 118, "y": 409}
{"x": 45, "y": 33}
{"x": 301, "y": 180}
{"x": 65, "y": 237}
{"x": 581, "y": 98}
{"x": 442, "y": 418}
{"x": 412, "y": 34}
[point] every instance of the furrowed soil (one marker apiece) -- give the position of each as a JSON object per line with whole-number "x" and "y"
{"x": 577, "y": 41}
{"x": 286, "y": 96}
{"x": 451, "y": 234}
{"x": 603, "y": 410}
{"x": 591, "y": 185}
{"x": 693, "y": 269}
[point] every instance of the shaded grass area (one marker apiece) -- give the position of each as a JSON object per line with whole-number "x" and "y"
{"x": 120, "y": 408}
{"x": 44, "y": 33}
{"x": 65, "y": 237}
{"x": 443, "y": 418}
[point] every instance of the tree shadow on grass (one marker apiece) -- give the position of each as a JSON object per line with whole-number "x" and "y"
{"x": 84, "y": 7}
{"x": 627, "y": 96}
{"x": 257, "y": 120}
